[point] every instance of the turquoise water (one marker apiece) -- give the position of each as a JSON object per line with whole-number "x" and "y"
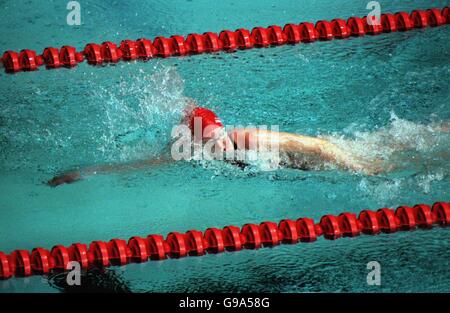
{"x": 371, "y": 95}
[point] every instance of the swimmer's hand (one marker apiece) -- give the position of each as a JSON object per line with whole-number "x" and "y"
{"x": 67, "y": 178}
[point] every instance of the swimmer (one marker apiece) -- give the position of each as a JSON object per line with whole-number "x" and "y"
{"x": 297, "y": 151}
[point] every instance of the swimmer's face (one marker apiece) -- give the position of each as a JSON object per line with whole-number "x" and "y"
{"x": 221, "y": 138}
{"x": 225, "y": 144}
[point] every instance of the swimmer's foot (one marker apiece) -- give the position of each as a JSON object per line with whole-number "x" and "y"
{"x": 64, "y": 179}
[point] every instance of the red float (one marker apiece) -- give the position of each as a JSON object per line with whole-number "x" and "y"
{"x": 61, "y": 257}
{"x": 435, "y": 17}
{"x": 178, "y": 45}
{"x": 404, "y": 22}
{"x": 289, "y": 232}
{"x": 196, "y": 43}
{"x": 27, "y": 59}
{"x": 177, "y": 245}
{"x": 369, "y": 222}
{"x": 387, "y": 220}
{"x": 375, "y": 26}
{"x": 419, "y": 18}
{"x": 348, "y": 224}
{"x": 374, "y": 29}
{"x": 20, "y": 263}
{"x": 78, "y": 252}
{"x": 138, "y": 249}
{"x": 260, "y": 37}
{"x": 157, "y": 249}
{"x": 11, "y": 62}
{"x": 306, "y": 230}
{"x": 276, "y": 35}
{"x": 441, "y": 213}
{"x": 292, "y": 33}
{"x": 51, "y": 57}
{"x": 330, "y": 227}
{"x": 405, "y": 217}
{"x": 228, "y": 39}
{"x": 270, "y": 234}
{"x": 145, "y": 49}
{"x": 99, "y": 252}
{"x": 244, "y": 39}
{"x": 446, "y": 14}
{"x": 356, "y": 26}
{"x": 5, "y": 271}
{"x": 163, "y": 47}
{"x": 129, "y": 50}
{"x": 194, "y": 242}
{"x": 93, "y": 53}
{"x": 388, "y": 23}
{"x": 340, "y": 29}
{"x": 110, "y": 52}
{"x": 69, "y": 57}
{"x": 252, "y": 236}
{"x": 214, "y": 240}
{"x": 41, "y": 261}
{"x": 118, "y": 252}
{"x": 325, "y": 30}
{"x": 423, "y": 216}
{"x": 308, "y": 32}
{"x": 212, "y": 42}
{"x": 232, "y": 238}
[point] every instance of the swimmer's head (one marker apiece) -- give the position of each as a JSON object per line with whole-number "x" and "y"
{"x": 204, "y": 122}
{"x": 206, "y": 125}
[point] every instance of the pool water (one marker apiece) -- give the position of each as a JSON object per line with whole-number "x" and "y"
{"x": 373, "y": 95}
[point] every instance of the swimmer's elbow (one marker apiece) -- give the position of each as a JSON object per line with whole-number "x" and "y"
{"x": 330, "y": 152}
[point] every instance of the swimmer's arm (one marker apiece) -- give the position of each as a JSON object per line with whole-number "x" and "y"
{"x": 124, "y": 167}
{"x": 345, "y": 160}
{"x": 327, "y": 151}
{"x": 335, "y": 155}
{"x": 77, "y": 175}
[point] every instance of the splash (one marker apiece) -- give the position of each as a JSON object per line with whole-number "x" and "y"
{"x": 383, "y": 190}
{"x": 102, "y": 119}
{"x": 386, "y": 190}
{"x": 425, "y": 181}
{"x": 399, "y": 137}
{"x": 140, "y": 113}
{"x": 418, "y": 154}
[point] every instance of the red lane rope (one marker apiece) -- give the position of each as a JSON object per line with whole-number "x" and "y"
{"x": 230, "y": 238}
{"x": 144, "y": 49}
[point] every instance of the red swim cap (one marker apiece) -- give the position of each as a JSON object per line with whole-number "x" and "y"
{"x": 208, "y": 118}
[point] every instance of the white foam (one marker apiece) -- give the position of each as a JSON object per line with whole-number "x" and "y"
{"x": 399, "y": 135}
{"x": 140, "y": 112}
